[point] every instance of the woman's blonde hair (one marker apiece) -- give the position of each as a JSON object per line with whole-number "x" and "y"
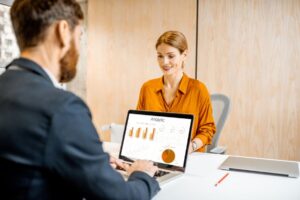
{"x": 173, "y": 38}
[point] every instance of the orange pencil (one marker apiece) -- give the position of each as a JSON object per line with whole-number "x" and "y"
{"x": 221, "y": 179}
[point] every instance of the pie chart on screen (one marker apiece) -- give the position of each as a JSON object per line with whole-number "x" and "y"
{"x": 168, "y": 155}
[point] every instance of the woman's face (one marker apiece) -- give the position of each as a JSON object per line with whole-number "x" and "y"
{"x": 169, "y": 59}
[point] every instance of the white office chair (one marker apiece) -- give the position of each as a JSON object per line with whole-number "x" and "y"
{"x": 116, "y": 131}
{"x": 221, "y": 106}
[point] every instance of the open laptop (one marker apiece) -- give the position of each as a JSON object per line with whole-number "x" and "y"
{"x": 160, "y": 137}
{"x": 259, "y": 165}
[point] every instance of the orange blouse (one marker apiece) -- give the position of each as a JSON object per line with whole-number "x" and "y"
{"x": 192, "y": 97}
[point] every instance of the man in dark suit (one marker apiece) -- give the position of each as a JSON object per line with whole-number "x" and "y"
{"x": 49, "y": 148}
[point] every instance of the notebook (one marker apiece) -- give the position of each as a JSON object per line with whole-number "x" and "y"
{"x": 259, "y": 165}
{"x": 160, "y": 137}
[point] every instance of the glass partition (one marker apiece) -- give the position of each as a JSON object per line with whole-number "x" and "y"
{"x": 8, "y": 45}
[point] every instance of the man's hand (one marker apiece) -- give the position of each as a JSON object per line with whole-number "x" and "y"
{"x": 116, "y": 163}
{"x": 141, "y": 165}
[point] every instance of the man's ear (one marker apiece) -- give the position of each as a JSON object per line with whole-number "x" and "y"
{"x": 63, "y": 35}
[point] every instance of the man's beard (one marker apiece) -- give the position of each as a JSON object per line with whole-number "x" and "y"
{"x": 68, "y": 64}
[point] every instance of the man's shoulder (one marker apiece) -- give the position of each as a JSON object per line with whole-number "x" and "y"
{"x": 61, "y": 99}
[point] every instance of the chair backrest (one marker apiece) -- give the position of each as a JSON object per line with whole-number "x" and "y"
{"x": 221, "y": 106}
{"x": 116, "y": 131}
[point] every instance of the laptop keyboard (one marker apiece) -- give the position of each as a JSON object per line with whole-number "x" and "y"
{"x": 160, "y": 173}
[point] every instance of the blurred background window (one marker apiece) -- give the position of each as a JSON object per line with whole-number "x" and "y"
{"x": 8, "y": 44}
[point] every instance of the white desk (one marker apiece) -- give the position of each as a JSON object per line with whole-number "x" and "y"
{"x": 202, "y": 173}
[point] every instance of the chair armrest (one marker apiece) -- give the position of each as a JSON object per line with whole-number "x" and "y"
{"x": 106, "y": 127}
{"x": 218, "y": 150}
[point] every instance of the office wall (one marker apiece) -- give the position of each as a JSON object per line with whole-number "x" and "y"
{"x": 121, "y": 53}
{"x": 250, "y": 50}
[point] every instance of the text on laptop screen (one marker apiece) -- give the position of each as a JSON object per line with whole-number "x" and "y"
{"x": 157, "y": 138}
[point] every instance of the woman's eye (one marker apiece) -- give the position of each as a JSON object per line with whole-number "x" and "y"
{"x": 159, "y": 56}
{"x": 170, "y": 57}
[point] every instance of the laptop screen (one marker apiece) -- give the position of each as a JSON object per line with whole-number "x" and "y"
{"x": 160, "y": 137}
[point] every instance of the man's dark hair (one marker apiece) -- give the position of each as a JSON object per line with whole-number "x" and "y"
{"x": 32, "y": 18}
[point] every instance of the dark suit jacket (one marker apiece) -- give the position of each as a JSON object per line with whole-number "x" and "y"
{"x": 49, "y": 148}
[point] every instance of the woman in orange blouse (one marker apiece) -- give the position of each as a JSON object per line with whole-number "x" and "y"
{"x": 176, "y": 92}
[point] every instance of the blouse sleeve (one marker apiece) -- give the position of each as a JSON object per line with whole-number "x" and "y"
{"x": 206, "y": 125}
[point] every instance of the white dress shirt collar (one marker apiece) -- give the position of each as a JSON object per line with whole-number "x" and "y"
{"x": 53, "y": 79}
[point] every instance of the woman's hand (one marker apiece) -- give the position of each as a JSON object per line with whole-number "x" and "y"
{"x": 195, "y": 144}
